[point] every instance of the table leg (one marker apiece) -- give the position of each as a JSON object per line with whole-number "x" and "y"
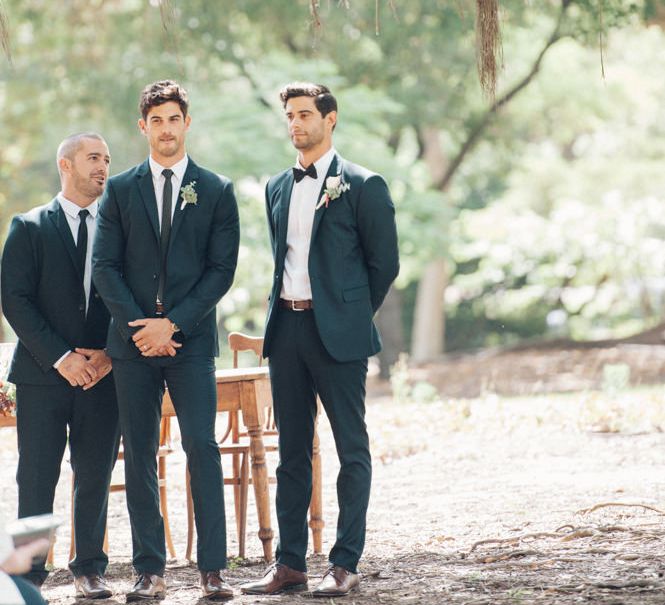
{"x": 253, "y": 419}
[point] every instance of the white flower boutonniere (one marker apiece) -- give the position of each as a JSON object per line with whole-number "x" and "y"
{"x": 188, "y": 194}
{"x": 334, "y": 188}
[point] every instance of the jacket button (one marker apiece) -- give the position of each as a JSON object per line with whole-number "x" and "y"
{"x": 154, "y": 276}
{"x": 96, "y": 295}
{"x": 81, "y": 307}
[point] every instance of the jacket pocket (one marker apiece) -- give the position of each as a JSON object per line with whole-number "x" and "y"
{"x": 356, "y": 293}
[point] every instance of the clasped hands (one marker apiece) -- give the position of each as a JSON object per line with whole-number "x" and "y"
{"x": 155, "y": 338}
{"x": 85, "y": 367}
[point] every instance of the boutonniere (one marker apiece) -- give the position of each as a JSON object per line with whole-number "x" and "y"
{"x": 188, "y": 194}
{"x": 334, "y": 188}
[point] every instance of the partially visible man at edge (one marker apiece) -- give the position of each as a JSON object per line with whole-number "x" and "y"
{"x": 60, "y": 366}
{"x": 334, "y": 242}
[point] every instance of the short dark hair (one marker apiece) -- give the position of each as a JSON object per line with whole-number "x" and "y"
{"x": 162, "y": 92}
{"x": 324, "y": 101}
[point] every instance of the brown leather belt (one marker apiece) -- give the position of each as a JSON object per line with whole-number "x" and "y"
{"x": 159, "y": 309}
{"x": 296, "y": 305}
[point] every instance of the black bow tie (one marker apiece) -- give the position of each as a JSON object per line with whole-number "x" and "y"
{"x": 299, "y": 175}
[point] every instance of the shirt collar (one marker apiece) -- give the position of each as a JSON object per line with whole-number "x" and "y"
{"x": 178, "y": 168}
{"x": 322, "y": 164}
{"x": 71, "y": 209}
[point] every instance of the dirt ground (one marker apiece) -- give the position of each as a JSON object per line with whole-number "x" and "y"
{"x": 476, "y": 501}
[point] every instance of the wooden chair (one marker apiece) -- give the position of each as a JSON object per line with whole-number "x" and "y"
{"x": 119, "y": 486}
{"x": 235, "y": 442}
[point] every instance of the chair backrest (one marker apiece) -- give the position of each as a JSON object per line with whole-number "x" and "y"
{"x": 238, "y": 343}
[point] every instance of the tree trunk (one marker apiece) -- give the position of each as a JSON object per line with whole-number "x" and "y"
{"x": 428, "y": 318}
{"x": 389, "y": 322}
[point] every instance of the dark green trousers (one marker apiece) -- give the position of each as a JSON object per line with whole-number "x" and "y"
{"x": 43, "y": 415}
{"x": 301, "y": 368}
{"x": 191, "y": 384}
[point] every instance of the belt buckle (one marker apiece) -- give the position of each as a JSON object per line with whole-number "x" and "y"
{"x": 293, "y": 307}
{"x": 159, "y": 309}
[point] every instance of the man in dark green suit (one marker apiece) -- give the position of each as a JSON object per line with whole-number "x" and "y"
{"x": 165, "y": 254}
{"x": 59, "y": 367}
{"x": 334, "y": 241}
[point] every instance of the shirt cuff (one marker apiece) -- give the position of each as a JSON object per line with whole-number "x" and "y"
{"x": 57, "y": 363}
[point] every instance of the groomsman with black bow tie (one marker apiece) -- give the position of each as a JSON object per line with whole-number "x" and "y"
{"x": 165, "y": 255}
{"x": 334, "y": 242}
{"x": 60, "y": 366}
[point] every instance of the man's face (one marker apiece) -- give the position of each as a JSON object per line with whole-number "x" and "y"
{"x": 87, "y": 172}
{"x": 307, "y": 127}
{"x": 165, "y": 129}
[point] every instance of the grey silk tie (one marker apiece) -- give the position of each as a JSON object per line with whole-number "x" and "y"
{"x": 165, "y": 231}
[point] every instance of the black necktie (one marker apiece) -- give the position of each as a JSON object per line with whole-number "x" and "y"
{"x": 299, "y": 175}
{"x": 165, "y": 231}
{"x": 82, "y": 240}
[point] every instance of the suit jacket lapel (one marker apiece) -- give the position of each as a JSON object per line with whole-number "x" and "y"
{"x": 191, "y": 174}
{"x": 283, "y": 223}
{"x": 147, "y": 191}
{"x": 57, "y": 215}
{"x": 335, "y": 169}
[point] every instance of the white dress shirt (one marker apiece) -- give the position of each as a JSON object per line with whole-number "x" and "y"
{"x": 71, "y": 211}
{"x": 304, "y": 198}
{"x": 158, "y": 180}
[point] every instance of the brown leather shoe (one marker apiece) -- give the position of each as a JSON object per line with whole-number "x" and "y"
{"x": 92, "y": 587}
{"x": 337, "y": 582}
{"x": 278, "y": 578}
{"x": 148, "y": 586}
{"x": 214, "y": 587}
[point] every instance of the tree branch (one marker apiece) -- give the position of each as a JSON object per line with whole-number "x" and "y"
{"x": 478, "y": 129}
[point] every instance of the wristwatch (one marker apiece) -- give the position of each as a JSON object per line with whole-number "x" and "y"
{"x": 174, "y": 327}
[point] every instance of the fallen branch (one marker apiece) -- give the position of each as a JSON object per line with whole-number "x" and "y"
{"x": 514, "y": 540}
{"x": 585, "y": 511}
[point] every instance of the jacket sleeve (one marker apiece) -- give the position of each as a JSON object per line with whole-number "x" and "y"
{"x": 20, "y": 281}
{"x": 220, "y": 264}
{"x": 107, "y": 265}
{"x": 378, "y": 237}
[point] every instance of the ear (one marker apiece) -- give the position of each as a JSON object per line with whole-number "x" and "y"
{"x": 142, "y": 125}
{"x": 331, "y": 119}
{"x": 64, "y": 164}
{"x": 188, "y": 121}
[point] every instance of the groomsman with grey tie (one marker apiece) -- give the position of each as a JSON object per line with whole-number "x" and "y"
{"x": 64, "y": 392}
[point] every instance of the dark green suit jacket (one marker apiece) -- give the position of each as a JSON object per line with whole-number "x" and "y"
{"x": 201, "y": 262}
{"x": 353, "y": 258}
{"x": 43, "y": 296}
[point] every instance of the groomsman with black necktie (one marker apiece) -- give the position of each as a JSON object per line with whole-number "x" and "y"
{"x": 60, "y": 366}
{"x": 165, "y": 255}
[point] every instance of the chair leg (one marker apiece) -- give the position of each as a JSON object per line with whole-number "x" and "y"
{"x": 241, "y": 518}
{"x": 316, "y": 522}
{"x": 161, "y": 474}
{"x": 190, "y": 518}
{"x": 237, "y": 486}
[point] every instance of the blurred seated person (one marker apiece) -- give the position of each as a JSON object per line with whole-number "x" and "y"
{"x": 13, "y": 563}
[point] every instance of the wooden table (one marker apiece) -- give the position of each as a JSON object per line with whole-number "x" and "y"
{"x": 247, "y": 390}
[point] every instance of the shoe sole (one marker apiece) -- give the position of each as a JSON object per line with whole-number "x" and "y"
{"x": 294, "y": 588}
{"x": 218, "y": 596}
{"x": 157, "y": 597}
{"x": 103, "y": 595}
{"x": 334, "y": 594}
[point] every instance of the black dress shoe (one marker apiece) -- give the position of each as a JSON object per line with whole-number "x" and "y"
{"x": 214, "y": 587}
{"x": 148, "y": 586}
{"x": 92, "y": 587}
{"x": 278, "y": 578}
{"x": 337, "y": 582}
